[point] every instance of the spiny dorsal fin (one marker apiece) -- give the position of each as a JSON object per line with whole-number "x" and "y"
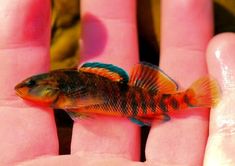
{"x": 109, "y": 71}
{"x": 151, "y": 78}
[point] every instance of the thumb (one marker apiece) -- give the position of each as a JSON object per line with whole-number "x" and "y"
{"x": 220, "y": 148}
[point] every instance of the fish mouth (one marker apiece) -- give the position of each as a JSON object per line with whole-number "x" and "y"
{"x": 19, "y": 93}
{"x": 21, "y": 90}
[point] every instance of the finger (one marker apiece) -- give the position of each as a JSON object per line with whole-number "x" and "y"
{"x": 221, "y": 62}
{"x": 109, "y": 36}
{"x": 71, "y": 160}
{"x": 186, "y": 30}
{"x": 25, "y": 132}
{"x": 24, "y": 42}
{"x": 107, "y": 28}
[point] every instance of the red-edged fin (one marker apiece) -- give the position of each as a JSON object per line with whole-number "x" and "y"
{"x": 109, "y": 71}
{"x": 151, "y": 78}
{"x": 204, "y": 92}
{"x": 66, "y": 102}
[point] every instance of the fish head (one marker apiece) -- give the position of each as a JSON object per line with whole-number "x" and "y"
{"x": 42, "y": 89}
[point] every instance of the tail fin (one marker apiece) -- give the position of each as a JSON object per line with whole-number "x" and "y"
{"x": 204, "y": 92}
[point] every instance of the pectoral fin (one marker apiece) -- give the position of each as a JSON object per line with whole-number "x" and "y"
{"x": 163, "y": 117}
{"x": 67, "y": 102}
{"x": 76, "y": 115}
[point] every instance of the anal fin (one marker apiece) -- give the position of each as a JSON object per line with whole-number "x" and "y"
{"x": 148, "y": 121}
{"x": 141, "y": 121}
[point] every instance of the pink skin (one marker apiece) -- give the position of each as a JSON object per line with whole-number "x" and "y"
{"x": 221, "y": 62}
{"x": 185, "y": 35}
{"x": 27, "y": 132}
{"x": 120, "y": 46}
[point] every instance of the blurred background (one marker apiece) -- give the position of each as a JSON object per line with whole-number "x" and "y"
{"x": 65, "y": 35}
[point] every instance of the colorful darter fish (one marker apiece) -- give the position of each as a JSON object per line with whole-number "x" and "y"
{"x": 105, "y": 89}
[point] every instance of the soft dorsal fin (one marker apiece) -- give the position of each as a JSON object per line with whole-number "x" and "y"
{"x": 109, "y": 71}
{"x": 151, "y": 78}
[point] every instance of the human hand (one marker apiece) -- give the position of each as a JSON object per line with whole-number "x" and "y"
{"x": 112, "y": 142}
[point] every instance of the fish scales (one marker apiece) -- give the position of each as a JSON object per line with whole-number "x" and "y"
{"x": 125, "y": 103}
{"x": 133, "y": 102}
{"x": 143, "y": 102}
{"x": 112, "y": 94}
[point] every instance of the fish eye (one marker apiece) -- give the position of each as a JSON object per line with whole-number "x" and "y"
{"x": 31, "y": 83}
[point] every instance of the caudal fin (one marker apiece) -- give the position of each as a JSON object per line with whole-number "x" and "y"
{"x": 204, "y": 92}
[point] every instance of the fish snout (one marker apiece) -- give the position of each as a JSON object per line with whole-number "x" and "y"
{"x": 21, "y": 90}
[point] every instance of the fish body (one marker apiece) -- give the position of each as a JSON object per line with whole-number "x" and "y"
{"x": 105, "y": 89}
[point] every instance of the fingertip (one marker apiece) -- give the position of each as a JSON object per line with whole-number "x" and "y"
{"x": 221, "y": 65}
{"x": 221, "y": 60}
{"x": 183, "y": 44}
{"x": 109, "y": 34}
{"x": 101, "y": 10}
{"x": 25, "y": 23}
{"x": 24, "y": 41}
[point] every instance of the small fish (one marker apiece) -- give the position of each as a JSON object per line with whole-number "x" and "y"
{"x": 104, "y": 89}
